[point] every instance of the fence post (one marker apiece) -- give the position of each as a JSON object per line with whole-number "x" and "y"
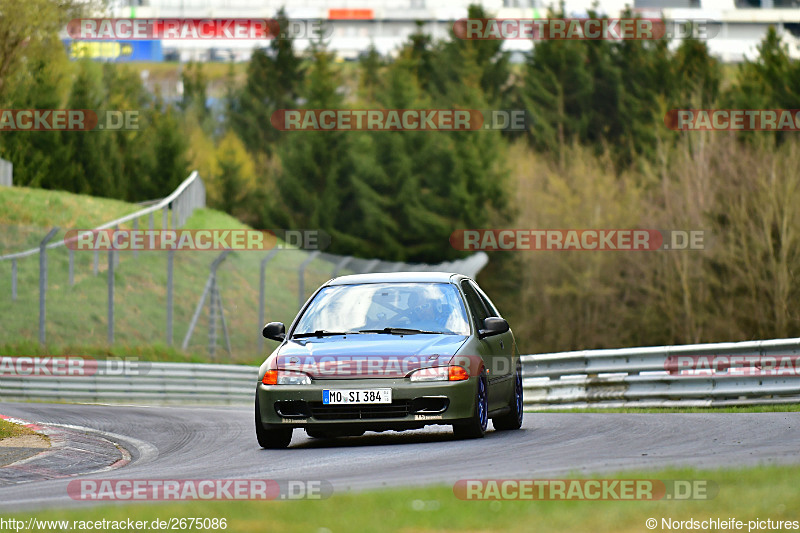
{"x": 301, "y": 273}
{"x": 117, "y": 255}
{"x": 71, "y": 266}
{"x": 340, "y": 265}
{"x": 135, "y": 229}
{"x": 43, "y": 282}
{"x": 13, "y": 280}
{"x": 110, "y": 296}
{"x": 170, "y": 266}
{"x": 196, "y": 315}
{"x": 211, "y": 280}
{"x": 262, "y": 296}
{"x": 372, "y": 264}
{"x": 224, "y": 324}
{"x": 212, "y": 317}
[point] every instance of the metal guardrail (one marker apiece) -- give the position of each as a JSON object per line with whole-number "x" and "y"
{"x": 714, "y": 374}
{"x": 643, "y": 377}
{"x": 143, "y": 382}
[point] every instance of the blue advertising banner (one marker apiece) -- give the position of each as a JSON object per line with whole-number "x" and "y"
{"x": 115, "y": 51}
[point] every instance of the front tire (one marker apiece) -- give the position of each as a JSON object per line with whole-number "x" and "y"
{"x": 513, "y": 419}
{"x": 271, "y": 438}
{"x": 475, "y": 427}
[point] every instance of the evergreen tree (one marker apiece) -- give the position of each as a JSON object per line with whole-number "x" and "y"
{"x": 456, "y": 56}
{"x": 274, "y": 78}
{"x": 314, "y": 163}
{"x": 370, "y": 65}
{"x": 557, "y": 92}
{"x": 95, "y": 164}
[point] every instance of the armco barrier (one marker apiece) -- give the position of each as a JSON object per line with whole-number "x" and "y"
{"x": 595, "y": 378}
{"x": 142, "y": 382}
{"x": 648, "y": 377}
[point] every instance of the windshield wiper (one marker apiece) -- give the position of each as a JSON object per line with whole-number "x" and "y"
{"x": 399, "y": 331}
{"x": 322, "y": 333}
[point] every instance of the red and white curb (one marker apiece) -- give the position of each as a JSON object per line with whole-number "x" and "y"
{"x": 63, "y": 439}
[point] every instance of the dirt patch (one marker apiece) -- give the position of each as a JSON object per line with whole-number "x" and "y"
{"x": 26, "y": 441}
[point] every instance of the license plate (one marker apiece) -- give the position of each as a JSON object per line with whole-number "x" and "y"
{"x": 339, "y": 396}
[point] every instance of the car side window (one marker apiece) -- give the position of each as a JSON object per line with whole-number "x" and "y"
{"x": 488, "y": 303}
{"x": 476, "y": 307}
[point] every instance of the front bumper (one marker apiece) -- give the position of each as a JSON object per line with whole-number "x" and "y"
{"x": 414, "y": 405}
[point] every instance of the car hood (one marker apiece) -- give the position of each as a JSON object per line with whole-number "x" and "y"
{"x": 366, "y": 355}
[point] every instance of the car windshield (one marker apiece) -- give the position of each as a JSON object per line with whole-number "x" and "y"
{"x": 374, "y": 307}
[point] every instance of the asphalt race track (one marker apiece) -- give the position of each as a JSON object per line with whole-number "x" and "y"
{"x": 217, "y": 443}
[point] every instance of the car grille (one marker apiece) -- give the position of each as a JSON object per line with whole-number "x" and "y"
{"x": 396, "y": 409}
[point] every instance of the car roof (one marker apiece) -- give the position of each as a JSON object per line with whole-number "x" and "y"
{"x": 398, "y": 277}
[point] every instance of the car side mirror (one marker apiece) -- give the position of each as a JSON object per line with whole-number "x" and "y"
{"x": 275, "y": 331}
{"x": 494, "y": 325}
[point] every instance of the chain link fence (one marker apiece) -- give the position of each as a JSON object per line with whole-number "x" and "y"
{"x": 198, "y": 301}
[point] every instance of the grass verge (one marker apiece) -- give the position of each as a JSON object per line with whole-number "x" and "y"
{"x": 9, "y": 429}
{"x": 77, "y": 321}
{"x": 761, "y": 493}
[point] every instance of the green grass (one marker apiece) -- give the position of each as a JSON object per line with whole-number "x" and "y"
{"x": 77, "y": 315}
{"x": 745, "y": 494}
{"x": 777, "y": 408}
{"x": 9, "y": 429}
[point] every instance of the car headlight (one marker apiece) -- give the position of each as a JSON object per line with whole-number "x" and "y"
{"x": 440, "y": 373}
{"x": 434, "y": 373}
{"x": 285, "y": 377}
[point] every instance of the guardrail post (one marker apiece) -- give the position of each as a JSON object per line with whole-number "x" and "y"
{"x": 43, "y": 282}
{"x": 110, "y": 296}
{"x": 151, "y": 221}
{"x": 262, "y": 296}
{"x": 13, "y": 280}
{"x": 301, "y": 273}
{"x": 170, "y": 266}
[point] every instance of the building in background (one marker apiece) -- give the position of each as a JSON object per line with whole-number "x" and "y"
{"x": 357, "y": 24}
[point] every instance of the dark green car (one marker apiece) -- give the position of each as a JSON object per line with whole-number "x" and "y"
{"x": 378, "y": 352}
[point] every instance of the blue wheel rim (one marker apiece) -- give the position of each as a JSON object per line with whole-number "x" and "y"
{"x": 482, "y": 405}
{"x": 518, "y": 393}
